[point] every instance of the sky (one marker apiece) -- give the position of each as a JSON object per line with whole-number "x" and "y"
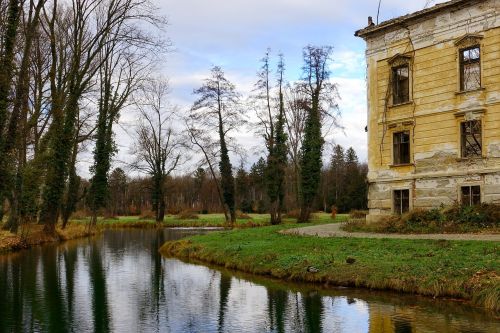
{"x": 235, "y": 34}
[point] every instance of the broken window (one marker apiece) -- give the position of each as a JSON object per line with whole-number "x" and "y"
{"x": 471, "y": 138}
{"x": 471, "y": 195}
{"x": 401, "y": 201}
{"x": 400, "y": 84}
{"x": 470, "y": 68}
{"x": 401, "y": 147}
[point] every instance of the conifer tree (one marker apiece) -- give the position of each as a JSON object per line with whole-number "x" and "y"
{"x": 321, "y": 96}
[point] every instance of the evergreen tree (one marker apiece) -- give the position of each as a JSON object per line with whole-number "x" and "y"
{"x": 277, "y": 158}
{"x": 337, "y": 171}
{"x": 321, "y": 97}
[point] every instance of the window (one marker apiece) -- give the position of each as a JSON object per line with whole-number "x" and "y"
{"x": 401, "y": 201}
{"x": 401, "y": 147}
{"x": 470, "y": 134}
{"x": 471, "y": 195}
{"x": 400, "y": 84}
{"x": 470, "y": 68}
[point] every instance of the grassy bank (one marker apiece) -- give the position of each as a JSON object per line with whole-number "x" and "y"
{"x": 33, "y": 235}
{"x": 456, "y": 269}
{"x": 206, "y": 220}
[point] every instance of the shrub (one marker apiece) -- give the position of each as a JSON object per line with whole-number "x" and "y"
{"x": 241, "y": 215}
{"x": 293, "y": 214}
{"x": 422, "y": 218}
{"x": 358, "y": 214}
{"x": 187, "y": 215}
{"x": 149, "y": 215}
{"x": 484, "y": 215}
{"x": 174, "y": 210}
{"x": 79, "y": 215}
{"x": 109, "y": 216}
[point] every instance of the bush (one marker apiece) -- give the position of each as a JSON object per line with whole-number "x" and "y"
{"x": 241, "y": 215}
{"x": 422, "y": 218}
{"x": 246, "y": 206}
{"x": 187, "y": 215}
{"x": 452, "y": 219}
{"x": 148, "y": 216}
{"x": 174, "y": 210}
{"x": 293, "y": 214}
{"x": 79, "y": 215}
{"x": 484, "y": 215}
{"x": 358, "y": 214}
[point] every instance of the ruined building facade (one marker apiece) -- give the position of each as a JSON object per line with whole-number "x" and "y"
{"x": 433, "y": 82}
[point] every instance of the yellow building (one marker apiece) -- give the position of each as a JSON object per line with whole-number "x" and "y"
{"x": 434, "y": 107}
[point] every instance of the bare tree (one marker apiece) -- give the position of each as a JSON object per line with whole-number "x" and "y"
{"x": 217, "y": 110}
{"x": 271, "y": 115}
{"x": 158, "y": 147}
{"x": 295, "y": 118}
{"x": 84, "y": 29}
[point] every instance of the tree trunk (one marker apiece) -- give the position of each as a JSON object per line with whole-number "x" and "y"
{"x": 6, "y": 78}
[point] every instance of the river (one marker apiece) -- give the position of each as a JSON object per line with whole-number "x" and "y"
{"x": 118, "y": 282}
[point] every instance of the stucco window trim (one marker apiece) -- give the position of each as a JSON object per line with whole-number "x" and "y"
{"x": 459, "y": 190}
{"x": 466, "y": 42}
{"x": 410, "y": 198}
{"x": 410, "y": 102}
{"x": 400, "y": 60}
{"x": 462, "y": 117}
{"x": 399, "y": 129}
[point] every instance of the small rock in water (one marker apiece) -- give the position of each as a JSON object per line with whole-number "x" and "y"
{"x": 312, "y": 269}
{"x": 350, "y": 260}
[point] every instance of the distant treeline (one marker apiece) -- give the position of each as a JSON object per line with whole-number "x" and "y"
{"x": 342, "y": 186}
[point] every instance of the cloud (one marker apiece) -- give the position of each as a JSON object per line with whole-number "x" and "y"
{"x": 235, "y": 34}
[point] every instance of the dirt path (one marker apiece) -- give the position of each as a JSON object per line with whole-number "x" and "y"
{"x": 333, "y": 230}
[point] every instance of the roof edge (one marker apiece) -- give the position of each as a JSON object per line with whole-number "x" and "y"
{"x": 373, "y": 29}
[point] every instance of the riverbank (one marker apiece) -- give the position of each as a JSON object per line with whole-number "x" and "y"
{"x": 33, "y": 235}
{"x": 468, "y": 270}
{"x": 208, "y": 220}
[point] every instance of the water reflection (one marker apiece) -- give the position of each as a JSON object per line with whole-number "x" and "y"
{"x": 119, "y": 283}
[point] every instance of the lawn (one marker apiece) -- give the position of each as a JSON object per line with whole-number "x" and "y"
{"x": 208, "y": 220}
{"x": 459, "y": 269}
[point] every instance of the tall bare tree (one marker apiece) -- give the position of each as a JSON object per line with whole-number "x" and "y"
{"x": 85, "y": 28}
{"x": 271, "y": 115}
{"x": 217, "y": 110}
{"x": 158, "y": 147}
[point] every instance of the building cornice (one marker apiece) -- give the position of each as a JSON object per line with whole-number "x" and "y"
{"x": 375, "y": 29}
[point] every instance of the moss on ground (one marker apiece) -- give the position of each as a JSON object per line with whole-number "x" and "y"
{"x": 459, "y": 269}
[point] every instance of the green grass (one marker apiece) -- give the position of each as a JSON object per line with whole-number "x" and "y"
{"x": 460, "y": 269}
{"x": 207, "y": 220}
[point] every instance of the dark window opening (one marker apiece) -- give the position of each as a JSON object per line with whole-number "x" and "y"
{"x": 471, "y": 138}
{"x": 400, "y": 84}
{"x": 401, "y": 201}
{"x": 401, "y": 147}
{"x": 471, "y": 195}
{"x": 470, "y": 68}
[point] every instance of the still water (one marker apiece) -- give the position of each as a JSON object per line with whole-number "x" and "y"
{"x": 118, "y": 282}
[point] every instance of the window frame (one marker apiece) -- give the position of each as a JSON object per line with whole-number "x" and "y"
{"x": 397, "y": 149}
{"x": 461, "y": 65}
{"x": 471, "y": 195}
{"x": 401, "y": 207}
{"x": 398, "y": 98}
{"x": 463, "y": 139}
